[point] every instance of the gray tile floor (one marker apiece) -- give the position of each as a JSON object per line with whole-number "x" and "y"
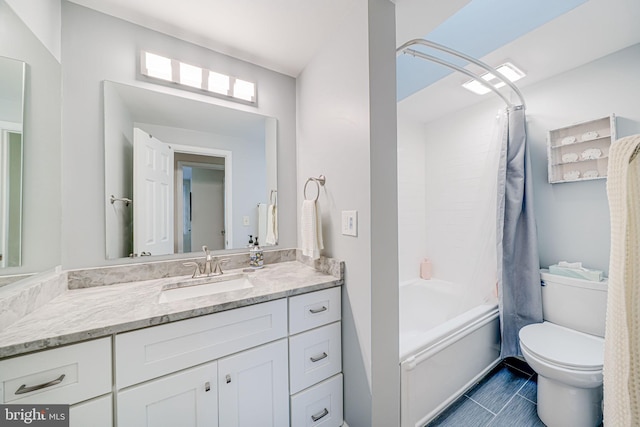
{"x": 506, "y": 397}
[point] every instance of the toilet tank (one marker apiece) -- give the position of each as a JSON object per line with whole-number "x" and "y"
{"x": 577, "y": 304}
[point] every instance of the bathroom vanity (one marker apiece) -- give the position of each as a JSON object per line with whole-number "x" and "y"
{"x": 265, "y": 355}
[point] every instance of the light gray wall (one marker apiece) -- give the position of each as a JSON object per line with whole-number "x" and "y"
{"x": 346, "y": 131}
{"x": 42, "y": 144}
{"x": 97, "y": 47}
{"x": 573, "y": 218}
{"x": 43, "y": 18}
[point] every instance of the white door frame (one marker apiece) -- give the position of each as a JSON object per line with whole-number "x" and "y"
{"x": 204, "y": 151}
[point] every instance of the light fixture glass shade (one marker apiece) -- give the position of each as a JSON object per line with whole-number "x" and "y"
{"x": 158, "y": 66}
{"x": 183, "y": 74}
{"x": 218, "y": 83}
{"x": 243, "y": 89}
{"x": 190, "y": 75}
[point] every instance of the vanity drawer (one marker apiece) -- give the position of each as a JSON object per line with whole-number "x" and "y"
{"x": 314, "y": 356}
{"x": 64, "y": 375}
{"x": 152, "y": 352}
{"x": 320, "y": 405}
{"x": 314, "y": 309}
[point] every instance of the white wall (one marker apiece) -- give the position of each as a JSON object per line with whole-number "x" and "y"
{"x": 41, "y": 185}
{"x": 43, "y": 18}
{"x": 346, "y": 131}
{"x": 572, "y": 218}
{"x": 98, "y": 47}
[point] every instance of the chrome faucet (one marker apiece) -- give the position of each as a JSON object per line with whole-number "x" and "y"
{"x": 208, "y": 261}
{"x": 217, "y": 268}
{"x": 212, "y": 266}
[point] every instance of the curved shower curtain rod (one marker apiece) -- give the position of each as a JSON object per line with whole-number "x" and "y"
{"x": 406, "y": 50}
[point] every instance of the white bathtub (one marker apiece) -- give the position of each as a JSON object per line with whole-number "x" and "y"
{"x": 447, "y": 343}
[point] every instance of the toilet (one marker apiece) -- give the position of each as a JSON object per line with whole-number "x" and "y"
{"x": 567, "y": 350}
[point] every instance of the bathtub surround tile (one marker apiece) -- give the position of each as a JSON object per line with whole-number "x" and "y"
{"x": 464, "y": 412}
{"x": 520, "y": 412}
{"x": 510, "y": 387}
{"x": 495, "y": 391}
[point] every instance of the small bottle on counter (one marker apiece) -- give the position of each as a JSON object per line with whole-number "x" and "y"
{"x": 425, "y": 269}
{"x": 256, "y": 255}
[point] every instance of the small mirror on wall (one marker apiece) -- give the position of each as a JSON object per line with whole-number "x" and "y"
{"x": 12, "y": 81}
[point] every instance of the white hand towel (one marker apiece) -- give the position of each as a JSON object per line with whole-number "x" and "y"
{"x": 272, "y": 225}
{"x": 311, "y": 229}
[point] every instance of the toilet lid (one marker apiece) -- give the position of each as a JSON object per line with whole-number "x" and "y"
{"x": 562, "y": 346}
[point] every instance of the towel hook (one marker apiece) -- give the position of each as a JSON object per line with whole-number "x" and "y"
{"x": 125, "y": 200}
{"x": 319, "y": 183}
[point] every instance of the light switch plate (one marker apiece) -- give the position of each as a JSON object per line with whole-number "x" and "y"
{"x": 350, "y": 223}
{"x": 245, "y": 220}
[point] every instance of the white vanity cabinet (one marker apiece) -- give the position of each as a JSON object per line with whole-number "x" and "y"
{"x": 187, "y": 399}
{"x": 315, "y": 359}
{"x": 227, "y": 369}
{"x": 78, "y": 375}
{"x": 253, "y": 387}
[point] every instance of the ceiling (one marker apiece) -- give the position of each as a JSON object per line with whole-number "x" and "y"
{"x": 587, "y": 32}
{"x": 281, "y": 35}
{"x": 284, "y": 35}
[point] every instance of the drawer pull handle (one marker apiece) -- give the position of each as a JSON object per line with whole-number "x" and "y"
{"x": 317, "y": 310}
{"x": 228, "y": 378}
{"x": 315, "y": 359}
{"x": 207, "y": 386}
{"x": 24, "y": 389}
{"x": 320, "y": 415}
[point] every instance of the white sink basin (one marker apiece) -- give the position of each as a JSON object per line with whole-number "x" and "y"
{"x": 205, "y": 286}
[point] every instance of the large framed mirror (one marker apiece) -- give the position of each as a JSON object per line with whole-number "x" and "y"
{"x": 181, "y": 174}
{"x": 12, "y": 84}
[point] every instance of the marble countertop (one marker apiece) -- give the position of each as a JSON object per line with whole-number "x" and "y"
{"x": 81, "y": 314}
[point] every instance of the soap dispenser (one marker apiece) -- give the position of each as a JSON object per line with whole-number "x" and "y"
{"x": 256, "y": 257}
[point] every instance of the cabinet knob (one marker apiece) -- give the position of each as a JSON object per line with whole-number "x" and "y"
{"x": 228, "y": 378}
{"x": 207, "y": 386}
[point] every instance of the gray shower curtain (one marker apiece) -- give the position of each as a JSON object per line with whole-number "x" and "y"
{"x": 519, "y": 293}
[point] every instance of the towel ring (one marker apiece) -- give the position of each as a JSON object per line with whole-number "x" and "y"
{"x": 319, "y": 183}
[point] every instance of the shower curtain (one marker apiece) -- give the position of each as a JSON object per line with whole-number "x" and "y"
{"x": 519, "y": 293}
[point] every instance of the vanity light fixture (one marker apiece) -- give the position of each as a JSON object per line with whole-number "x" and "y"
{"x": 207, "y": 81}
{"x": 507, "y": 69}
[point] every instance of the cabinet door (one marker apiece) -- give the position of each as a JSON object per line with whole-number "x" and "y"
{"x": 186, "y": 399}
{"x": 253, "y": 387}
{"x": 95, "y": 413}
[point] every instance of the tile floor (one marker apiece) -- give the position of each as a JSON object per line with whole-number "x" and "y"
{"x": 506, "y": 397}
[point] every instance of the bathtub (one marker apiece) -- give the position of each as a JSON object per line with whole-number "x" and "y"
{"x": 448, "y": 341}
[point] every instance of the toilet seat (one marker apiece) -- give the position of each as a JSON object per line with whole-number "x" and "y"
{"x": 563, "y": 347}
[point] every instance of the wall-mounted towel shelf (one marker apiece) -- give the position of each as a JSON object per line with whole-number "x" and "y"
{"x": 588, "y": 143}
{"x": 320, "y": 181}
